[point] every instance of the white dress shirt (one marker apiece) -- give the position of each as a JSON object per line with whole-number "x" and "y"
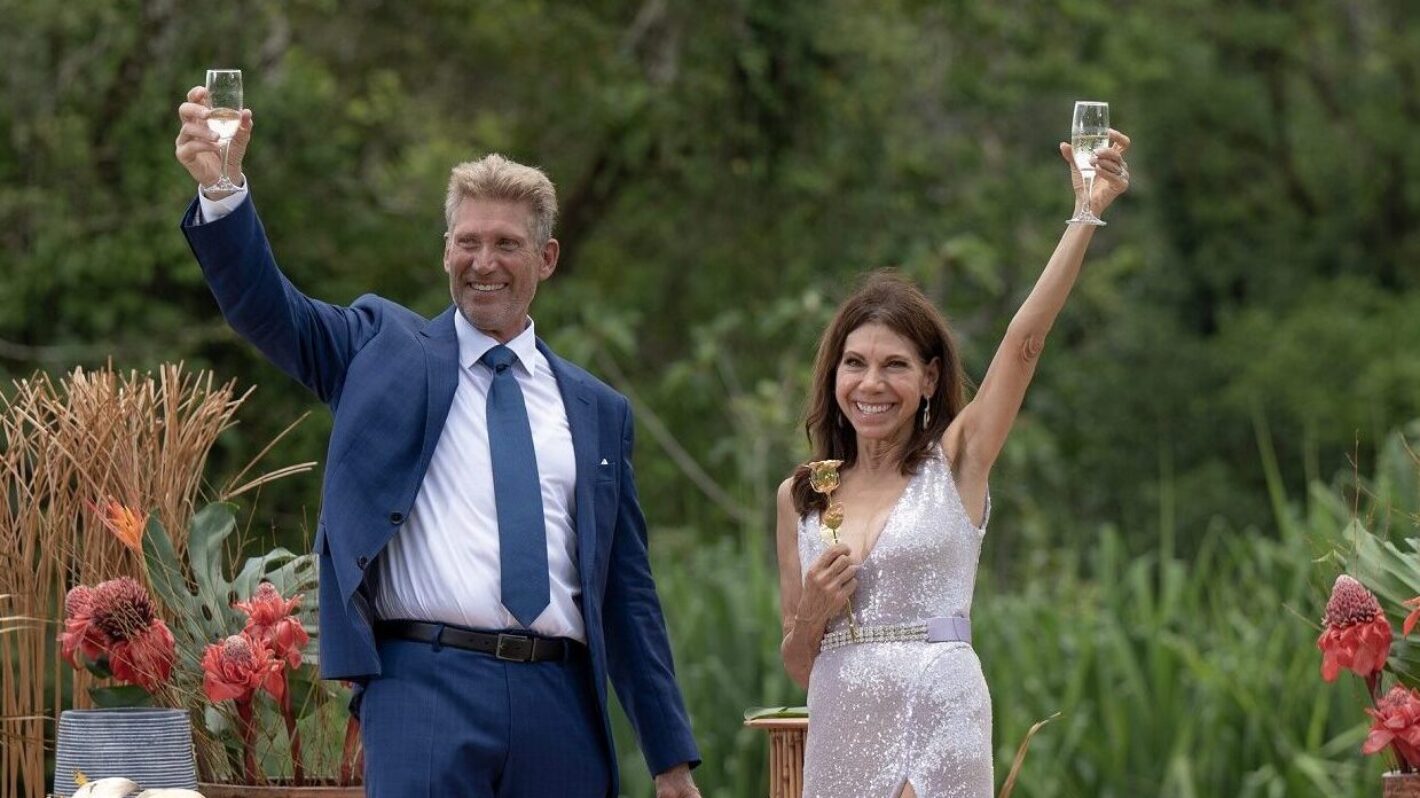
{"x": 442, "y": 565}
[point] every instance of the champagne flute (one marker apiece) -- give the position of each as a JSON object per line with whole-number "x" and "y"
{"x": 1089, "y": 131}
{"x": 224, "y": 97}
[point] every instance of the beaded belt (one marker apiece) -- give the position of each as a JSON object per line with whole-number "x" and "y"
{"x": 952, "y": 629}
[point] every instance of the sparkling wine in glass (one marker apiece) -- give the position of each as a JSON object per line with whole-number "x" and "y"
{"x": 224, "y": 97}
{"x": 1089, "y": 131}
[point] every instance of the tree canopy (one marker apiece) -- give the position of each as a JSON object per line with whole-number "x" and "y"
{"x": 726, "y": 169}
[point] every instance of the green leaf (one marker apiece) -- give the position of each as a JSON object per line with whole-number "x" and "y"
{"x": 276, "y": 566}
{"x": 761, "y": 713}
{"x": 218, "y": 722}
{"x": 130, "y": 695}
{"x": 209, "y": 530}
{"x": 165, "y": 570}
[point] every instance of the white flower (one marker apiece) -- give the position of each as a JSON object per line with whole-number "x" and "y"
{"x": 106, "y": 788}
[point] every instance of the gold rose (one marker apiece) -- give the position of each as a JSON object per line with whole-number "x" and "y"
{"x": 823, "y": 478}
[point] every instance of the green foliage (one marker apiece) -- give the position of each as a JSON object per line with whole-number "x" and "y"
{"x": 715, "y": 160}
{"x": 200, "y": 594}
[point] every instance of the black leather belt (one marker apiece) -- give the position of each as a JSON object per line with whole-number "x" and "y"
{"x": 507, "y": 646}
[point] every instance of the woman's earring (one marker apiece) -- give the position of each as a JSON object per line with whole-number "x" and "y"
{"x": 926, "y": 412}
{"x": 840, "y": 418}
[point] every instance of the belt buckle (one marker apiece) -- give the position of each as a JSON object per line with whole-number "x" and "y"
{"x": 514, "y": 648}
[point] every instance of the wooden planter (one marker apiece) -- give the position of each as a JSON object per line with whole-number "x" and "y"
{"x": 1401, "y": 785}
{"x": 278, "y": 791}
{"x": 786, "y": 754}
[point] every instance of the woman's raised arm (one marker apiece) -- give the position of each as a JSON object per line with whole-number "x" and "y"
{"x": 976, "y": 436}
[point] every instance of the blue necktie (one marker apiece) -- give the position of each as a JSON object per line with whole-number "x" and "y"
{"x": 522, "y": 532}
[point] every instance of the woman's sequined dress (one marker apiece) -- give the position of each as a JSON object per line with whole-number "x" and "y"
{"x": 883, "y": 714}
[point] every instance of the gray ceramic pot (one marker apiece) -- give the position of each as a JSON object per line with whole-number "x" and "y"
{"x": 151, "y": 746}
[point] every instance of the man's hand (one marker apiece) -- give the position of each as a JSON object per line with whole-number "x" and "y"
{"x": 676, "y": 783}
{"x": 197, "y": 148}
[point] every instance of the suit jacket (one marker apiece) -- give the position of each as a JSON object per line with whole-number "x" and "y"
{"x": 388, "y": 375}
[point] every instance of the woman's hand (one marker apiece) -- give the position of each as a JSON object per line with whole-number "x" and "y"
{"x": 1111, "y": 172}
{"x": 828, "y": 585}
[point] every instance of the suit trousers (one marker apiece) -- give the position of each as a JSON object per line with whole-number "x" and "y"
{"x": 442, "y": 721}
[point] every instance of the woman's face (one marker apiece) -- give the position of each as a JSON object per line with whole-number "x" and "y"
{"x": 881, "y": 382}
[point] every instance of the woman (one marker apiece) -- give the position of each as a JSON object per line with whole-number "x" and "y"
{"x": 898, "y": 703}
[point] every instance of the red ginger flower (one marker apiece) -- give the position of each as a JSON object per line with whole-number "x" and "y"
{"x": 239, "y": 666}
{"x": 146, "y": 658}
{"x": 80, "y": 636}
{"x": 270, "y": 621}
{"x": 116, "y": 620}
{"x": 1357, "y": 635}
{"x": 1412, "y": 617}
{"x": 1397, "y": 722}
{"x": 121, "y": 608}
{"x": 141, "y": 649}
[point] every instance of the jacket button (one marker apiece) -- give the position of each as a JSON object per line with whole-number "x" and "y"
{"x": 396, "y": 518}
{"x": 362, "y": 562}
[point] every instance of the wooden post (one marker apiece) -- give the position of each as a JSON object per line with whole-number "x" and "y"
{"x": 786, "y": 754}
{"x": 1401, "y": 785}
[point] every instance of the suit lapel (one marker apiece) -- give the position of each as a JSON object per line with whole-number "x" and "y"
{"x": 581, "y": 407}
{"x": 441, "y": 354}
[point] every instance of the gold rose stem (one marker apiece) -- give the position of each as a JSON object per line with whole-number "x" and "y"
{"x": 823, "y": 478}
{"x": 852, "y": 623}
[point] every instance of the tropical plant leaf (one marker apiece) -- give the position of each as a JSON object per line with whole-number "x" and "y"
{"x": 165, "y": 573}
{"x": 207, "y": 534}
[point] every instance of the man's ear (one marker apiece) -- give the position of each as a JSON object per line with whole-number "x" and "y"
{"x": 550, "y": 252}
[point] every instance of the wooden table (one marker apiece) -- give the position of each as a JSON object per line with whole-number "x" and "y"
{"x": 786, "y": 754}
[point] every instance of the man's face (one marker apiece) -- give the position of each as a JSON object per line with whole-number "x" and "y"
{"x": 494, "y": 265}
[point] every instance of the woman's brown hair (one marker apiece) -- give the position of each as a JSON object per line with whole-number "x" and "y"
{"x": 886, "y": 298}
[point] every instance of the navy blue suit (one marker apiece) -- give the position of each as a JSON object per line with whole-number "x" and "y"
{"x": 389, "y": 375}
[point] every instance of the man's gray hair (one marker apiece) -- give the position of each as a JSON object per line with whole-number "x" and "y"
{"x": 494, "y": 177}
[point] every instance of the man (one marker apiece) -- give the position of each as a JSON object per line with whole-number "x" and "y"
{"x": 482, "y": 551}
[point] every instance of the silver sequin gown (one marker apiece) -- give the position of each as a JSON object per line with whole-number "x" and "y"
{"x": 886, "y": 714}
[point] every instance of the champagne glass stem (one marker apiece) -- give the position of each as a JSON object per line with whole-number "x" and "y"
{"x": 1089, "y": 192}
{"x": 226, "y": 148}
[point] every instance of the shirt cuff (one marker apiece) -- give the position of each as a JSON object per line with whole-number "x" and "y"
{"x": 211, "y": 210}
